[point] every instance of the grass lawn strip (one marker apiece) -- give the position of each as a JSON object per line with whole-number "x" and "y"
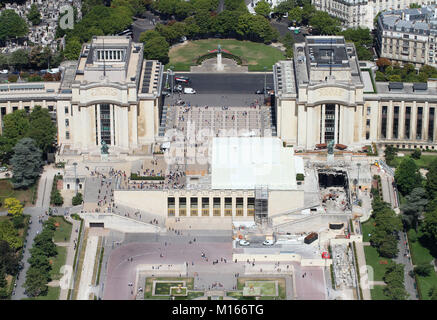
{"x": 257, "y": 55}
{"x": 7, "y": 191}
{"x": 377, "y": 293}
{"x": 368, "y": 228}
{"x": 373, "y": 259}
{"x": 52, "y": 294}
{"x": 58, "y": 262}
{"x": 79, "y": 265}
{"x": 424, "y": 161}
{"x": 63, "y": 232}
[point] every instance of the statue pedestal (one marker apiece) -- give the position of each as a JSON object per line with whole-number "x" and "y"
{"x": 330, "y": 158}
{"x": 220, "y": 66}
{"x": 104, "y": 157}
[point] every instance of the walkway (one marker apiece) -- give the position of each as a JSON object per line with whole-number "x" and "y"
{"x": 86, "y": 276}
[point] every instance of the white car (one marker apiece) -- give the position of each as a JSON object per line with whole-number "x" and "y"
{"x": 268, "y": 242}
{"x": 244, "y": 243}
{"x": 4, "y": 71}
{"x": 189, "y": 90}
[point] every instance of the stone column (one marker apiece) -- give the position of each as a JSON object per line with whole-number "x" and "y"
{"x": 111, "y": 113}
{"x": 99, "y": 129}
{"x": 245, "y": 204}
{"x": 322, "y": 119}
{"x": 337, "y": 114}
{"x": 413, "y": 124}
{"x": 390, "y": 120}
{"x": 425, "y": 120}
{"x": 401, "y": 121}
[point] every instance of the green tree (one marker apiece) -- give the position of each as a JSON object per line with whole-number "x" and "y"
{"x": 77, "y": 199}
{"x": 424, "y": 269}
{"x": 26, "y": 163}
{"x": 407, "y": 176}
{"x": 9, "y": 234}
{"x": 394, "y": 277}
{"x": 283, "y": 7}
{"x": 56, "y": 198}
{"x": 390, "y": 153}
{"x": 431, "y": 180}
{"x": 12, "y": 25}
{"x": 324, "y": 24}
{"x": 19, "y": 59}
{"x": 429, "y": 226}
{"x": 8, "y": 258}
{"x": 262, "y": 8}
{"x": 36, "y": 282}
{"x": 433, "y": 293}
{"x": 34, "y": 15}
{"x": 42, "y": 129}
{"x": 417, "y": 153}
{"x": 4, "y": 61}
{"x": 157, "y": 49}
{"x": 296, "y": 15}
{"x": 40, "y": 57}
{"x": 72, "y": 49}
{"x": 14, "y": 206}
{"x": 413, "y": 207}
{"x": 16, "y": 126}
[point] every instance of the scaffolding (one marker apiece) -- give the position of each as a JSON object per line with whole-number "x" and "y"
{"x": 261, "y": 204}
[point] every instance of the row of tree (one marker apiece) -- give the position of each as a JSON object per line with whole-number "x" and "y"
{"x": 394, "y": 278}
{"x": 393, "y": 72}
{"x": 36, "y": 58}
{"x": 19, "y": 124}
{"x": 38, "y": 275}
{"x": 387, "y": 225}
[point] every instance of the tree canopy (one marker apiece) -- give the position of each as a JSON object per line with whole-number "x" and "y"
{"x": 407, "y": 176}
{"x": 12, "y": 25}
{"x": 262, "y": 8}
{"x": 26, "y": 163}
{"x": 34, "y": 15}
{"x": 324, "y": 24}
{"x": 14, "y": 206}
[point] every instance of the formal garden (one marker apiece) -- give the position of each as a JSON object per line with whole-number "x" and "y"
{"x": 169, "y": 288}
{"x": 255, "y": 55}
{"x": 259, "y": 289}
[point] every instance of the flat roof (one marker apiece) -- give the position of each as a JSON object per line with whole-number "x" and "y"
{"x": 250, "y": 162}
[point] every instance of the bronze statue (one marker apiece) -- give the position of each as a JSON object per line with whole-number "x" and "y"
{"x": 219, "y": 49}
{"x": 104, "y": 149}
{"x": 331, "y": 147}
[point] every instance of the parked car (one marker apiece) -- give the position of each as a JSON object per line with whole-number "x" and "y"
{"x": 268, "y": 242}
{"x": 3, "y": 169}
{"x": 244, "y": 243}
{"x": 4, "y": 71}
{"x": 261, "y": 91}
{"x": 178, "y": 88}
{"x": 189, "y": 90}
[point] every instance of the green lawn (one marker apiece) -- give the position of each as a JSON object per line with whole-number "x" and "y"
{"x": 423, "y": 162}
{"x": 58, "y": 262}
{"x": 426, "y": 283}
{"x": 7, "y": 191}
{"x": 367, "y": 227}
{"x": 422, "y": 255}
{"x": 373, "y": 259}
{"x": 52, "y": 294}
{"x": 163, "y": 288}
{"x": 268, "y": 288}
{"x": 378, "y": 294}
{"x": 256, "y": 55}
{"x": 63, "y": 232}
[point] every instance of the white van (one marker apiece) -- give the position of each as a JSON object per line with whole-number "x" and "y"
{"x": 189, "y": 90}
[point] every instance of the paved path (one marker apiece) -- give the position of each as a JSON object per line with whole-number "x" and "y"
{"x": 406, "y": 260}
{"x": 363, "y": 271}
{"x": 70, "y": 254}
{"x": 86, "y": 276}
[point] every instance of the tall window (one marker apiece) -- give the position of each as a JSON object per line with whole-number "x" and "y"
{"x": 329, "y": 122}
{"x": 431, "y": 124}
{"x": 384, "y": 122}
{"x": 395, "y": 122}
{"x": 105, "y": 123}
{"x": 419, "y": 123}
{"x": 407, "y": 122}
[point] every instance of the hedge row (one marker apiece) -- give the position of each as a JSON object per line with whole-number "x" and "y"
{"x": 212, "y": 55}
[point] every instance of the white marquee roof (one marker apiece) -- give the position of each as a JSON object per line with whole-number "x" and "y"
{"x": 248, "y": 162}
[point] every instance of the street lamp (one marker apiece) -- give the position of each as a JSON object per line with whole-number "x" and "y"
{"x": 75, "y": 177}
{"x": 265, "y": 80}
{"x": 358, "y": 166}
{"x": 172, "y": 79}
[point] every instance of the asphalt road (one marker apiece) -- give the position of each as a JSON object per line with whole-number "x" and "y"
{"x": 228, "y": 83}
